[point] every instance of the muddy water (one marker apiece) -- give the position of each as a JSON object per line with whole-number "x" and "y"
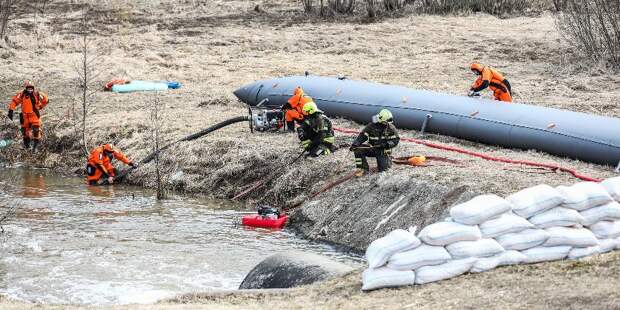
{"x": 70, "y": 243}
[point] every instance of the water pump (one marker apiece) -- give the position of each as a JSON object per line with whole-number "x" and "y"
{"x": 265, "y": 119}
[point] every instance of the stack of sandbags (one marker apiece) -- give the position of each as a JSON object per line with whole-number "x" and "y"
{"x": 377, "y": 255}
{"x": 540, "y": 206}
{"x": 536, "y": 224}
{"x": 607, "y": 225}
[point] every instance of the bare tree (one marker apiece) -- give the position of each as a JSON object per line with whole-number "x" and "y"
{"x": 86, "y": 69}
{"x": 156, "y": 125}
{"x": 593, "y": 28}
{"x": 6, "y": 12}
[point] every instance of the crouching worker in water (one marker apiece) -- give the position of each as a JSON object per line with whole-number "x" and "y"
{"x": 99, "y": 169}
{"x": 382, "y": 137}
{"x": 316, "y": 133}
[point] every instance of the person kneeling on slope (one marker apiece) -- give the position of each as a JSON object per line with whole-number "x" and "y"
{"x": 316, "y": 133}
{"x": 489, "y": 77}
{"x": 31, "y": 102}
{"x": 293, "y": 108}
{"x": 99, "y": 169}
{"x": 382, "y": 138}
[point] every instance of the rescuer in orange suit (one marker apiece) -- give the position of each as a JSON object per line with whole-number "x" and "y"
{"x": 294, "y": 108}
{"x": 99, "y": 169}
{"x": 31, "y": 102}
{"x": 489, "y": 77}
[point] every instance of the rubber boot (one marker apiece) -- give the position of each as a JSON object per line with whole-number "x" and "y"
{"x": 35, "y": 143}
{"x": 27, "y": 143}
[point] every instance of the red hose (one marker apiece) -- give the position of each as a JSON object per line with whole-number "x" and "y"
{"x": 487, "y": 157}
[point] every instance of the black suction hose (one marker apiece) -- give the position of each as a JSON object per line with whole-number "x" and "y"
{"x": 191, "y": 137}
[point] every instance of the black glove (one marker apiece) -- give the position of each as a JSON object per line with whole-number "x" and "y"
{"x": 11, "y": 114}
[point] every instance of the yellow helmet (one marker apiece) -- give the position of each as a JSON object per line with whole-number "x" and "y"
{"x": 384, "y": 116}
{"x": 310, "y": 108}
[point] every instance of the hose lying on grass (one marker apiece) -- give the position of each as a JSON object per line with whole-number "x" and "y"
{"x": 191, "y": 137}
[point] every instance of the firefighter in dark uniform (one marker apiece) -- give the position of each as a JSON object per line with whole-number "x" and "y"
{"x": 316, "y": 133}
{"x": 381, "y": 138}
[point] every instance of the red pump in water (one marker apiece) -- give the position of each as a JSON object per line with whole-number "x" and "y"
{"x": 267, "y": 217}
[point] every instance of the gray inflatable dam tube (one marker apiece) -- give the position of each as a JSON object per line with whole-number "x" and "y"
{"x": 587, "y": 137}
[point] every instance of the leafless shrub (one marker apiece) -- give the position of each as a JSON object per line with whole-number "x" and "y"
{"x": 371, "y": 9}
{"x": 308, "y": 5}
{"x": 341, "y": 6}
{"x": 331, "y": 7}
{"x": 86, "y": 70}
{"x": 4, "y": 217}
{"x": 593, "y": 28}
{"x": 7, "y": 208}
{"x": 559, "y": 5}
{"x": 495, "y": 7}
{"x": 393, "y": 5}
{"x": 7, "y": 8}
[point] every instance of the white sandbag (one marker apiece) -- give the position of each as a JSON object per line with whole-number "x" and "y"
{"x": 479, "y": 209}
{"x": 606, "y": 245}
{"x": 534, "y": 200}
{"x": 568, "y": 236}
{"x": 504, "y": 224}
{"x": 544, "y": 254}
{"x": 612, "y": 186}
{"x": 424, "y": 255}
{"x": 443, "y": 233}
{"x": 558, "y": 216}
{"x": 380, "y": 250}
{"x": 584, "y": 195}
{"x": 485, "y": 264}
{"x": 510, "y": 258}
{"x": 503, "y": 259}
{"x": 374, "y": 278}
{"x": 576, "y": 253}
{"x": 606, "y": 229}
{"x": 526, "y": 239}
{"x": 478, "y": 248}
{"x": 607, "y": 212}
{"x": 448, "y": 270}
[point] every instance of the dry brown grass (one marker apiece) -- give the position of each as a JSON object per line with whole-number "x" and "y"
{"x": 216, "y": 46}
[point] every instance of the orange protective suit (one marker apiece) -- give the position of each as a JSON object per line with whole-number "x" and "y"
{"x": 99, "y": 163}
{"x": 295, "y": 105}
{"x": 491, "y": 78}
{"x": 31, "y": 104}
